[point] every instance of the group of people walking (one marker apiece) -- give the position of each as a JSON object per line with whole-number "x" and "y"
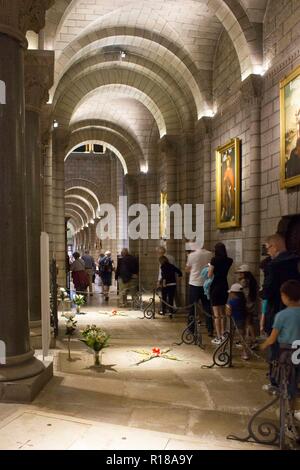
{"x": 84, "y": 270}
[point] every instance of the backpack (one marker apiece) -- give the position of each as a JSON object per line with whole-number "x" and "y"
{"x": 105, "y": 265}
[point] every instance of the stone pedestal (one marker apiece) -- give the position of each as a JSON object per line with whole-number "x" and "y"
{"x": 25, "y": 390}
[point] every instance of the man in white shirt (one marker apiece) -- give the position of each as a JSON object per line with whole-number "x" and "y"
{"x": 198, "y": 260}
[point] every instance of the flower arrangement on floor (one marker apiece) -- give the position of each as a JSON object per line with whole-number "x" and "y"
{"x": 95, "y": 338}
{"x": 71, "y": 327}
{"x": 79, "y": 301}
{"x": 115, "y": 313}
{"x": 155, "y": 352}
{"x": 63, "y": 295}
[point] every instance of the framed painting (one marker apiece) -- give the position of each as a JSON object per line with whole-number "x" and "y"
{"x": 290, "y": 130}
{"x": 163, "y": 215}
{"x": 228, "y": 189}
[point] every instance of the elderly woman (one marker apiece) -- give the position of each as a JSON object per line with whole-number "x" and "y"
{"x": 79, "y": 274}
{"x": 106, "y": 268}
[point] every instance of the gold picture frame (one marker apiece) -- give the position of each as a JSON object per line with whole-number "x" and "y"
{"x": 290, "y": 130}
{"x": 228, "y": 188}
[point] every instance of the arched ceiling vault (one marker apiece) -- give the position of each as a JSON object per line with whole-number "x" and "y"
{"x": 161, "y": 86}
{"x": 134, "y": 83}
{"x": 162, "y": 18}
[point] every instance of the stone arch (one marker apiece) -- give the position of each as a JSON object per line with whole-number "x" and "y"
{"x": 124, "y": 134}
{"x": 86, "y": 195}
{"x": 109, "y": 138}
{"x": 84, "y": 203}
{"x": 156, "y": 99}
{"x": 79, "y": 209}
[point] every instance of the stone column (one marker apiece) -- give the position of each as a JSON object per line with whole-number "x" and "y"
{"x": 168, "y": 150}
{"x": 39, "y": 70}
{"x": 132, "y": 193}
{"x": 93, "y": 240}
{"x": 251, "y": 89}
{"x": 22, "y": 377}
{"x": 204, "y": 127}
{"x": 60, "y": 141}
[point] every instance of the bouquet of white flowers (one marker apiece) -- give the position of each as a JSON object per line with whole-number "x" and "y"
{"x": 95, "y": 338}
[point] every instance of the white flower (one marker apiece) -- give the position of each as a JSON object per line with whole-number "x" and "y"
{"x": 68, "y": 315}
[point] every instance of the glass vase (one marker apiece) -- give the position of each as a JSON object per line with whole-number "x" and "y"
{"x": 97, "y": 358}
{"x": 78, "y": 309}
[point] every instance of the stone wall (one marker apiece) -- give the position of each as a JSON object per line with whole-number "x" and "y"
{"x": 235, "y": 117}
{"x": 282, "y": 55}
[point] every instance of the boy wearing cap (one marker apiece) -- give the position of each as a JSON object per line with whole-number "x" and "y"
{"x": 236, "y": 308}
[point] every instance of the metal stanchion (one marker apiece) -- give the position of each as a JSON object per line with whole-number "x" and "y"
{"x": 149, "y": 309}
{"x": 222, "y": 356}
{"x": 268, "y": 432}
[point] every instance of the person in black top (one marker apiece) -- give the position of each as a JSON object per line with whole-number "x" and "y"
{"x": 218, "y": 270}
{"x": 284, "y": 266}
{"x": 168, "y": 283}
{"x": 127, "y": 276}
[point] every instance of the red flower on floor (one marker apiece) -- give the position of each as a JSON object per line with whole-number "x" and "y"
{"x": 156, "y": 351}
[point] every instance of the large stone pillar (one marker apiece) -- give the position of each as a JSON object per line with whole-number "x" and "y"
{"x": 251, "y": 89}
{"x": 23, "y": 375}
{"x": 39, "y": 70}
{"x": 60, "y": 141}
{"x": 168, "y": 150}
{"x": 203, "y": 130}
{"x": 132, "y": 193}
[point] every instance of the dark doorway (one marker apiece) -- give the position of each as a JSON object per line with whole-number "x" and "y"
{"x": 290, "y": 226}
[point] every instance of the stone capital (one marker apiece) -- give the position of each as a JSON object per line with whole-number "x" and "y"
{"x": 131, "y": 181}
{"x": 39, "y": 77}
{"x": 204, "y": 127}
{"x": 252, "y": 89}
{"x": 61, "y": 141}
{"x": 19, "y": 16}
{"x": 168, "y": 143}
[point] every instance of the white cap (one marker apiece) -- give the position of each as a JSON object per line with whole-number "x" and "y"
{"x": 236, "y": 288}
{"x": 243, "y": 269}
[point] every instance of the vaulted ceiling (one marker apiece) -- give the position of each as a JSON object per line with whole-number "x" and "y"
{"x": 127, "y": 72}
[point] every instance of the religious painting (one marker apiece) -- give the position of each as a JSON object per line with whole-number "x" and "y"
{"x": 163, "y": 215}
{"x": 290, "y": 130}
{"x": 228, "y": 185}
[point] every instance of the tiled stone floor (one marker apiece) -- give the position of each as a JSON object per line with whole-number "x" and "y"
{"x": 161, "y": 404}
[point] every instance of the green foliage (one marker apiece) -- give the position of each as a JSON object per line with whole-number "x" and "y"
{"x": 95, "y": 338}
{"x": 79, "y": 300}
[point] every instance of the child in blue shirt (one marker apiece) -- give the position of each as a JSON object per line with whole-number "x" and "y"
{"x": 286, "y": 330}
{"x": 236, "y": 308}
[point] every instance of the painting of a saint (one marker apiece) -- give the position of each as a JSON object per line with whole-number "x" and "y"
{"x": 228, "y": 185}
{"x": 290, "y": 130}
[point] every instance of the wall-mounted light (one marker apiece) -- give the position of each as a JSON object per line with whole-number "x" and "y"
{"x": 144, "y": 168}
{"x": 55, "y": 124}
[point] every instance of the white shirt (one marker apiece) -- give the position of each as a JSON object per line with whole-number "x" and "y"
{"x": 196, "y": 262}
